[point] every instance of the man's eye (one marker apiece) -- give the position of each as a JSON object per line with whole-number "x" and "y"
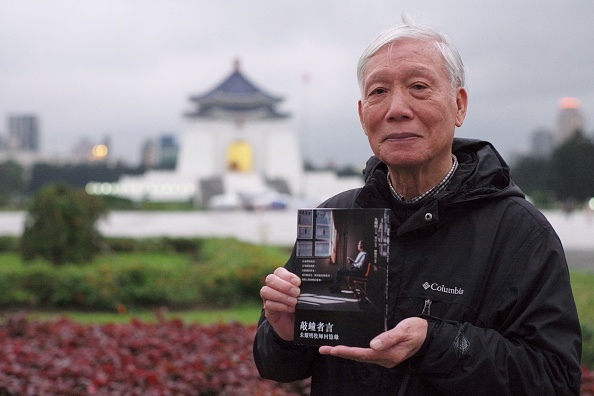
{"x": 378, "y": 91}
{"x": 419, "y": 87}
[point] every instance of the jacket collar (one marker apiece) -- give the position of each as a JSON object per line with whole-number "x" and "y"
{"x": 482, "y": 174}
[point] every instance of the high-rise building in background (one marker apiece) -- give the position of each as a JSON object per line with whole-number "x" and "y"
{"x": 160, "y": 153}
{"x": 23, "y": 132}
{"x": 168, "y": 151}
{"x": 3, "y": 142}
{"x": 542, "y": 142}
{"x": 570, "y": 119}
{"x": 148, "y": 154}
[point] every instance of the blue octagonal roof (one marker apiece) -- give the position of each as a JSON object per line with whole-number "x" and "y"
{"x": 236, "y": 97}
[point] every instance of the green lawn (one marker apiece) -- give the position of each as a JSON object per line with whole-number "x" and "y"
{"x": 583, "y": 292}
{"x": 246, "y": 314}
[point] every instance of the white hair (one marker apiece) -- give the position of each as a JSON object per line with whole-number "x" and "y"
{"x": 412, "y": 30}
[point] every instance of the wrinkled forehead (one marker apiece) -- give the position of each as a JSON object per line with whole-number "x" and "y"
{"x": 419, "y": 54}
{"x": 410, "y": 47}
{"x": 420, "y": 50}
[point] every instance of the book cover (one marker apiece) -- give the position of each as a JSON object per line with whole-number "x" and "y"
{"x": 342, "y": 260}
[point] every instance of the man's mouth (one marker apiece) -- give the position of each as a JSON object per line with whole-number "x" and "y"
{"x": 400, "y": 136}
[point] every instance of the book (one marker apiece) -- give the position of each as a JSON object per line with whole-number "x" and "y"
{"x": 342, "y": 259}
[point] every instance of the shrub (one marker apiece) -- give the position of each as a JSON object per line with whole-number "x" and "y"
{"x": 60, "y": 225}
{"x": 38, "y": 282}
{"x": 11, "y": 294}
{"x": 236, "y": 270}
{"x": 174, "y": 245}
{"x": 9, "y": 243}
{"x": 86, "y": 287}
{"x": 121, "y": 244}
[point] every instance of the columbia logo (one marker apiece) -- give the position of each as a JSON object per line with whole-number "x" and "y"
{"x": 442, "y": 288}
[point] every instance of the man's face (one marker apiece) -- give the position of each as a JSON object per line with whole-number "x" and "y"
{"x": 408, "y": 109}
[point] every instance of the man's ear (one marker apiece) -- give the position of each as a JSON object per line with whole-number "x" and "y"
{"x": 360, "y": 110}
{"x": 462, "y": 105}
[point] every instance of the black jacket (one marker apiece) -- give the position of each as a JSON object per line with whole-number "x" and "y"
{"x": 487, "y": 271}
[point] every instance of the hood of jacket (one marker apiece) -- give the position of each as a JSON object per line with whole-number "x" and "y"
{"x": 482, "y": 173}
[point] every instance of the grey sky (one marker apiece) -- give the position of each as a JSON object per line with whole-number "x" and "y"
{"x": 125, "y": 68}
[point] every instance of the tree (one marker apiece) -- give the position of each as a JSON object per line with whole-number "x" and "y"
{"x": 572, "y": 168}
{"x": 61, "y": 225}
{"x": 567, "y": 175}
{"x": 532, "y": 174}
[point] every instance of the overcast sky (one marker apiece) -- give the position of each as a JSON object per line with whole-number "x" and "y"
{"x": 126, "y": 68}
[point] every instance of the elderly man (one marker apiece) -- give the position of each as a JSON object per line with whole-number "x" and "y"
{"x": 480, "y": 301}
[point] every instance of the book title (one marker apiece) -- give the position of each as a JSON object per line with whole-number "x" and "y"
{"x": 317, "y": 331}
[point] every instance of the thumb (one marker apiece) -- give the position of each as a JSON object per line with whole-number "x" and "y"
{"x": 376, "y": 344}
{"x": 410, "y": 330}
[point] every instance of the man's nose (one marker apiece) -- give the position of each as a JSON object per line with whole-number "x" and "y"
{"x": 399, "y": 106}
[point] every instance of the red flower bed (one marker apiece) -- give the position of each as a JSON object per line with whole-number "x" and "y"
{"x": 166, "y": 358}
{"x": 587, "y": 388}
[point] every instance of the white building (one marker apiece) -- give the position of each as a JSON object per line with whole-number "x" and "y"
{"x": 236, "y": 149}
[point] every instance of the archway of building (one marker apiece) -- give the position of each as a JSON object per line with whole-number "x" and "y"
{"x": 240, "y": 157}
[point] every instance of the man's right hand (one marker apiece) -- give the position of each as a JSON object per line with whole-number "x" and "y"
{"x": 280, "y": 298}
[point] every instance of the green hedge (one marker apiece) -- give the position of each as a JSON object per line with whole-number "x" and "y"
{"x": 142, "y": 273}
{"x": 9, "y": 243}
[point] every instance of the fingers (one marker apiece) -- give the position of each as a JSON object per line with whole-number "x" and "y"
{"x": 288, "y": 276}
{"x": 279, "y": 297}
{"x": 281, "y": 291}
{"x": 364, "y": 355}
{"x": 389, "y": 348}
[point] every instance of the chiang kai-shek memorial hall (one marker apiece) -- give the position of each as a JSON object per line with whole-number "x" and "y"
{"x": 235, "y": 146}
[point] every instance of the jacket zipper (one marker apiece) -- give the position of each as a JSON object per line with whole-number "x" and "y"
{"x": 404, "y": 384}
{"x": 427, "y": 307}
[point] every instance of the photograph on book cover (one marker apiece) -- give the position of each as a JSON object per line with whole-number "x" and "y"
{"x": 342, "y": 260}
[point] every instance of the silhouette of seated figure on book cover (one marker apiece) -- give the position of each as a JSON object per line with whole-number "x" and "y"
{"x": 358, "y": 268}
